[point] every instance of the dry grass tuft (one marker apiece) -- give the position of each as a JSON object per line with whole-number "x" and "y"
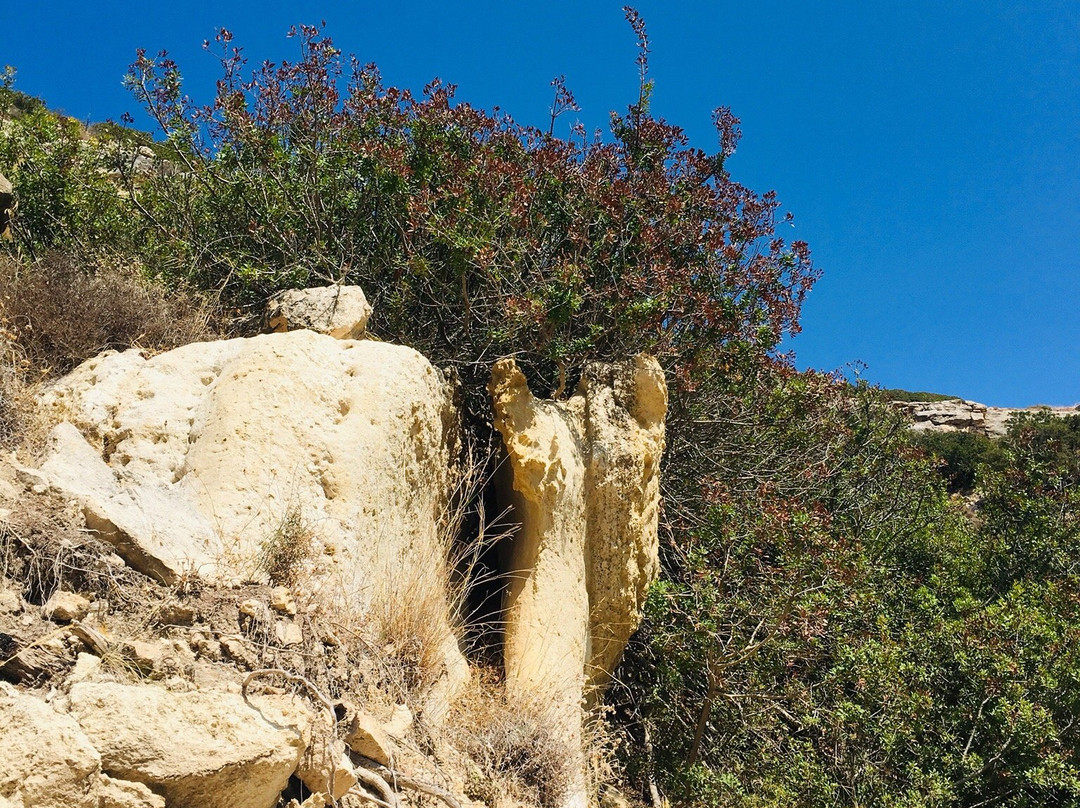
{"x": 43, "y": 547}
{"x": 518, "y": 743}
{"x": 284, "y": 552}
{"x": 62, "y": 310}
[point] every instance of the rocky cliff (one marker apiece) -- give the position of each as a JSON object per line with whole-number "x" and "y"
{"x": 273, "y": 607}
{"x": 958, "y": 415}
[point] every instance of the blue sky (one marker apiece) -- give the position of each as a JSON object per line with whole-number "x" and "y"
{"x": 929, "y": 151}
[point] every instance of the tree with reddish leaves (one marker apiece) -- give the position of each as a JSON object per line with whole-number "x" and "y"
{"x": 476, "y": 236}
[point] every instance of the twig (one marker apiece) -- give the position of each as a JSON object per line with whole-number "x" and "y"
{"x": 372, "y": 780}
{"x": 412, "y": 783}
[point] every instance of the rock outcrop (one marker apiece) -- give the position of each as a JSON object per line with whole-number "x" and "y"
{"x": 279, "y": 455}
{"x": 958, "y": 415}
{"x": 586, "y": 492}
{"x": 315, "y": 472}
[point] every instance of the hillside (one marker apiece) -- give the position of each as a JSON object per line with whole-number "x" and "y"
{"x": 370, "y": 448}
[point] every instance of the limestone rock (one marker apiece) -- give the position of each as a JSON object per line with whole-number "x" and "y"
{"x": 282, "y": 601}
{"x": 143, "y": 655}
{"x": 7, "y": 204}
{"x": 176, "y": 614}
{"x": 340, "y": 311}
{"x": 198, "y": 750}
{"x": 626, "y": 404}
{"x": 585, "y": 476}
{"x": 958, "y": 415}
{"x": 48, "y": 762}
{"x": 586, "y": 484}
{"x": 367, "y": 737}
{"x": 401, "y": 721}
{"x": 326, "y": 753}
{"x": 125, "y": 794}
{"x": 64, "y": 607}
{"x": 10, "y": 602}
{"x": 245, "y": 457}
{"x": 288, "y": 633}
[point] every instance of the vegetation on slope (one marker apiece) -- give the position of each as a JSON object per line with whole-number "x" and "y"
{"x": 832, "y": 627}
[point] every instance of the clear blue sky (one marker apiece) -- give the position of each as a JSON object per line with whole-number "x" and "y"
{"x": 930, "y": 151}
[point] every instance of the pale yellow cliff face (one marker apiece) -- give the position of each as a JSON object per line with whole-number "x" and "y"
{"x": 586, "y": 494}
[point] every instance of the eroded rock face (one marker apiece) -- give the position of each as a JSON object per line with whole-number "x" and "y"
{"x": 231, "y": 459}
{"x": 586, "y": 491}
{"x": 48, "y": 762}
{"x": 198, "y": 750}
{"x": 958, "y": 415}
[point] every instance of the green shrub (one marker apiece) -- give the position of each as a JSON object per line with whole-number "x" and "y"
{"x": 962, "y": 454}
{"x": 835, "y": 632}
{"x": 63, "y": 191}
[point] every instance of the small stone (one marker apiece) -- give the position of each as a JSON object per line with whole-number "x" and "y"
{"x": 10, "y": 602}
{"x": 145, "y": 656}
{"x": 288, "y": 633}
{"x": 176, "y": 614}
{"x": 86, "y": 665}
{"x": 254, "y": 608}
{"x": 238, "y": 652}
{"x": 400, "y": 722}
{"x": 368, "y": 738}
{"x": 282, "y": 601}
{"x": 63, "y": 607}
{"x": 209, "y": 650}
{"x": 340, "y": 311}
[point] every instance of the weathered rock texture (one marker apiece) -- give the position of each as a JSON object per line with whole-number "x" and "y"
{"x": 586, "y": 492}
{"x": 340, "y": 311}
{"x": 7, "y": 204}
{"x": 49, "y": 762}
{"x": 198, "y": 750}
{"x": 957, "y": 415}
{"x": 292, "y": 451}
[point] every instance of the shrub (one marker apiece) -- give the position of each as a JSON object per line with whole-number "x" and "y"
{"x": 284, "y": 551}
{"x": 962, "y": 454}
{"x": 475, "y": 236}
{"x": 65, "y": 198}
{"x": 834, "y": 631}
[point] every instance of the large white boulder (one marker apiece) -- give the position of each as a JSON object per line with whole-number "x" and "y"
{"x": 279, "y": 455}
{"x": 197, "y": 749}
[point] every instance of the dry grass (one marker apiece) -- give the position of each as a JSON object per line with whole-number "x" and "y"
{"x": 62, "y": 310}
{"x": 43, "y": 547}
{"x": 518, "y": 744}
{"x": 284, "y": 551}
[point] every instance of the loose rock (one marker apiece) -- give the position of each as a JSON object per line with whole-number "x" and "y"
{"x": 340, "y": 311}
{"x": 64, "y": 607}
{"x": 199, "y": 750}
